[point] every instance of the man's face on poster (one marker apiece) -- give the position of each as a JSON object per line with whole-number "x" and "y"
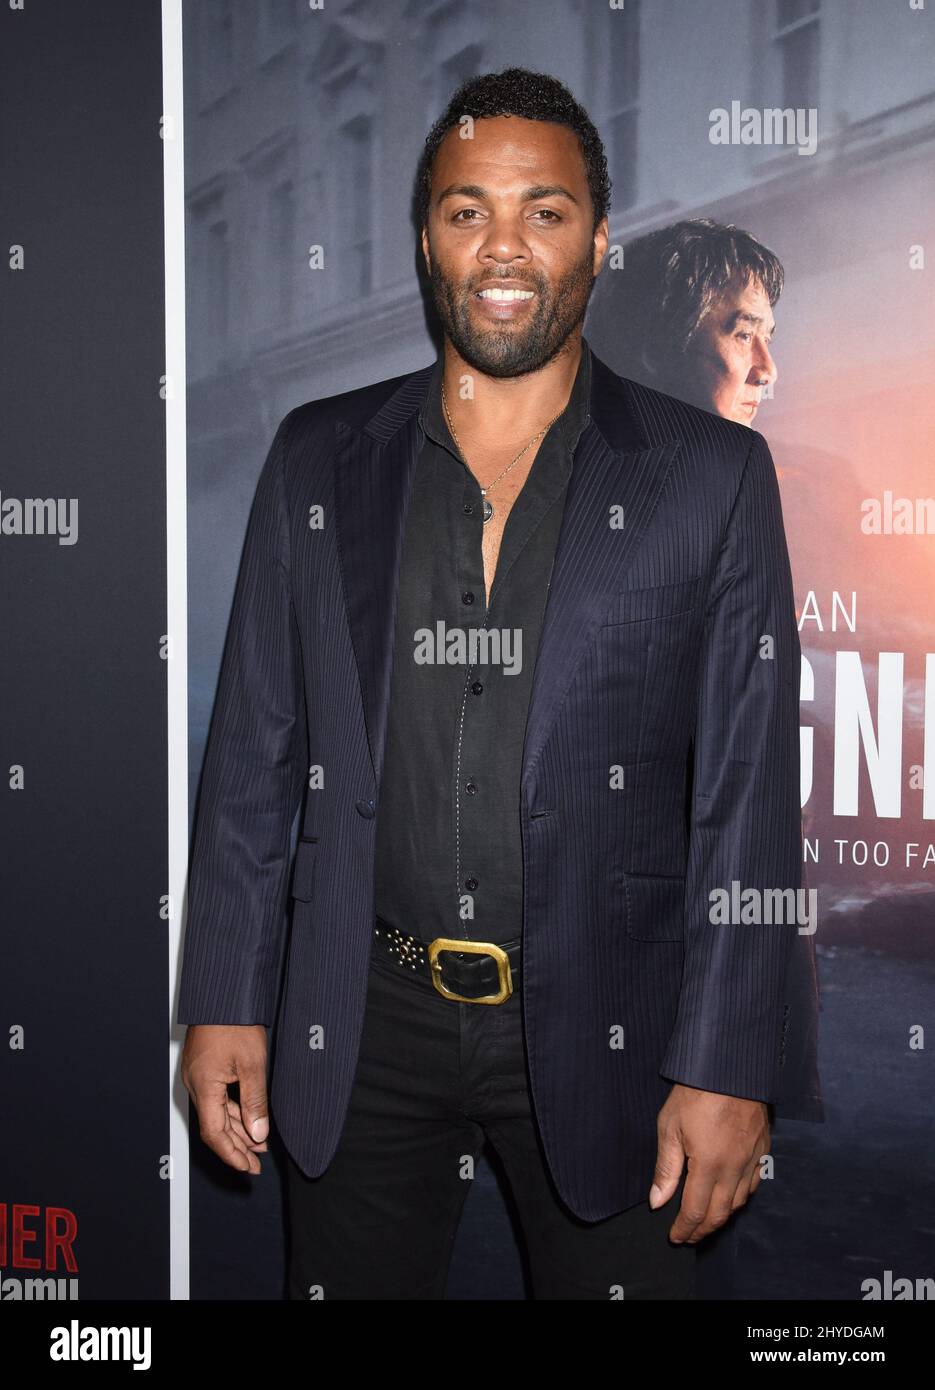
{"x": 729, "y": 362}
{"x": 511, "y": 210}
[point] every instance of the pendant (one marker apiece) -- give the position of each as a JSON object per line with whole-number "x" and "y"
{"x": 488, "y": 509}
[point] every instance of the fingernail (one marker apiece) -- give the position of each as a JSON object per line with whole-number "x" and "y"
{"x": 258, "y": 1129}
{"x": 655, "y": 1195}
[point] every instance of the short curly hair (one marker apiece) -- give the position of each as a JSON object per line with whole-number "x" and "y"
{"x": 517, "y": 92}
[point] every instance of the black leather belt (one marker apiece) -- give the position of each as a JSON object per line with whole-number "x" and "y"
{"x": 472, "y": 972}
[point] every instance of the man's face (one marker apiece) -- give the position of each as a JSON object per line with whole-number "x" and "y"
{"x": 510, "y": 210}
{"x": 728, "y": 362}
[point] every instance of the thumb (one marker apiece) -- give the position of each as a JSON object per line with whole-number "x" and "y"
{"x": 670, "y": 1158}
{"x": 253, "y": 1107}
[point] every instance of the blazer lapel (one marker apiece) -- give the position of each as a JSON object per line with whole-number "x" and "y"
{"x": 374, "y": 468}
{"x": 614, "y": 466}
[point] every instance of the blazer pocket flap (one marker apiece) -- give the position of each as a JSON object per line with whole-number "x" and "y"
{"x": 659, "y": 601}
{"x": 655, "y": 907}
{"x": 303, "y": 875}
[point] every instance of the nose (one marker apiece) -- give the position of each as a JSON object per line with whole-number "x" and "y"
{"x": 504, "y": 241}
{"x": 763, "y": 371}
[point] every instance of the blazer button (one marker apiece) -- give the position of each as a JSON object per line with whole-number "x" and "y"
{"x": 366, "y": 808}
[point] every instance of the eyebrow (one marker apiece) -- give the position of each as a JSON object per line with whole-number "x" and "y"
{"x": 741, "y": 316}
{"x": 528, "y": 195}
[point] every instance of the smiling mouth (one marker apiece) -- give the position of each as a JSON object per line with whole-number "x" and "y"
{"x": 503, "y": 305}
{"x": 504, "y": 296}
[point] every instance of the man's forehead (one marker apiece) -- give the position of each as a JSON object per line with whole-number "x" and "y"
{"x": 512, "y": 143}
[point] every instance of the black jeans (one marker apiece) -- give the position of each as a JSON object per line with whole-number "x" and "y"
{"x": 435, "y": 1077}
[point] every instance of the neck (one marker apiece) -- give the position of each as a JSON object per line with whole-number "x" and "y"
{"x": 507, "y": 411}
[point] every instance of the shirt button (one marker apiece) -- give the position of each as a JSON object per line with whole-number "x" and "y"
{"x": 470, "y": 884}
{"x": 468, "y": 508}
{"x": 467, "y": 597}
{"x": 477, "y": 687}
{"x": 471, "y": 789}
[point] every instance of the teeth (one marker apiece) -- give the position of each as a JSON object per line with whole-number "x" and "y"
{"x": 505, "y": 296}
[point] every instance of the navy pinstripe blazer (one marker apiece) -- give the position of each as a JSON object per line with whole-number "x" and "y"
{"x": 661, "y": 762}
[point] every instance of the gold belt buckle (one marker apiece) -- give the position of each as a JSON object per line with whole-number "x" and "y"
{"x": 476, "y": 948}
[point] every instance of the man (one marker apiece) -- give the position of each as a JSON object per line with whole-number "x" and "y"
{"x": 693, "y": 317}
{"x": 504, "y": 618}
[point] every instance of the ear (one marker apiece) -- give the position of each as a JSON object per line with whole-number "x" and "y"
{"x": 425, "y": 249}
{"x": 601, "y": 241}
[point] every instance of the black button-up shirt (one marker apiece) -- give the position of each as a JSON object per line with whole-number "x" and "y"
{"x": 449, "y": 854}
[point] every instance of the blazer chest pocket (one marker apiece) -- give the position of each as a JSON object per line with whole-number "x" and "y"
{"x": 657, "y": 601}
{"x": 655, "y": 907}
{"x": 303, "y": 874}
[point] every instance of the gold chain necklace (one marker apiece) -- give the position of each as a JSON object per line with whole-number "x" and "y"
{"x": 488, "y": 506}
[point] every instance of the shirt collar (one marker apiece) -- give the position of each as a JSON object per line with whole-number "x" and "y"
{"x": 569, "y": 424}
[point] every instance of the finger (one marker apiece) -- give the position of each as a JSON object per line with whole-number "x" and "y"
{"x": 758, "y": 1172}
{"x": 696, "y": 1196}
{"x": 253, "y": 1103}
{"x": 745, "y": 1186}
{"x": 718, "y": 1210}
{"x": 215, "y": 1128}
{"x": 670, "y": 1160}
{"x": 233, "y": 1110}
{"x": 253, "y": 1163}
{"x": 236, "y": 1123}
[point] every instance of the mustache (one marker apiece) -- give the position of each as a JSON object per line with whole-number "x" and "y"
{"x": 514, "y": 280}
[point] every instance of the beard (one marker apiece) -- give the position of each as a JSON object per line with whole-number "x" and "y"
{"x": 515, "y": 349}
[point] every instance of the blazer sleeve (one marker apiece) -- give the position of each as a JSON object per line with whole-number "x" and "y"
{"x": 745, "y": 810}
{"x": 252, "y": 779}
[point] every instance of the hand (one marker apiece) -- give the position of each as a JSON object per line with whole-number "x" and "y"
{"x": 215, "y": 1055}
{"x": 723, "y": 1138}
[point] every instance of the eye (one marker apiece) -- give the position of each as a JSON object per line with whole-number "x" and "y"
{"x": 550, "y": 212}
{"x": 462, "y": 210}
{"x": 744, "y": 337}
